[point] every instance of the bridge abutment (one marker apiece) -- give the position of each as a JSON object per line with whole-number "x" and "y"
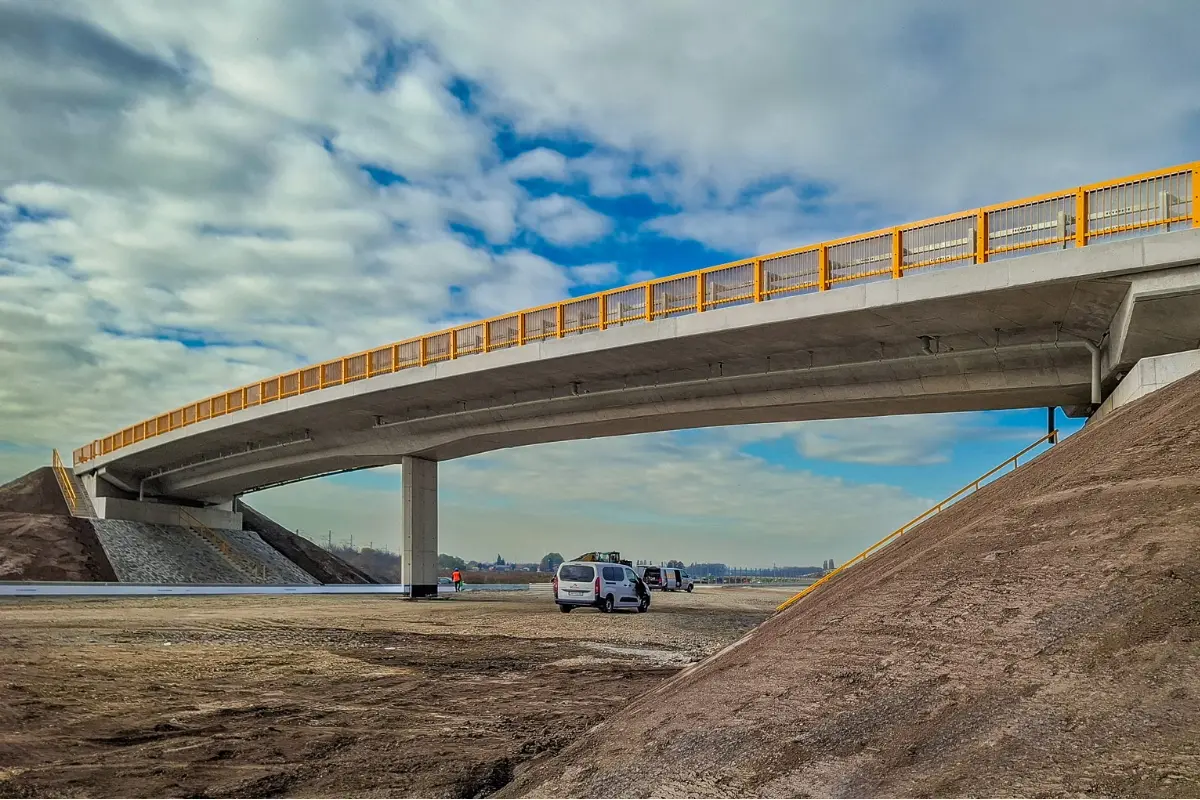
{"x": 112, "y": 501}
{"x": 419, "y": 564}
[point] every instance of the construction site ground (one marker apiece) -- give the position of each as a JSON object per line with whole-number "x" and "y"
{"x": 325, "y": 696}
{"x": 1039, "y": 639}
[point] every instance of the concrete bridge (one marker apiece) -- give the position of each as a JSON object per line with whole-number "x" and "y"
{"x": 1042, "y": 302}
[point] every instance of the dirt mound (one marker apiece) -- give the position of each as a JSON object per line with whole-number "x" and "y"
{"x": 44, "y": 547}
{"x": 310, "y": 557}
{"x": 35, "y": 492}
{"x": 1040, "y": 638}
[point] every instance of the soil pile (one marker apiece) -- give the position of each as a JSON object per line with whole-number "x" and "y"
{"x": 310, "y": 557}
{"x": 43, "y": 547}
{"x": 1040, "y": 638}
{"x": 39, "y": 541}
{"x": 35, "y": 492}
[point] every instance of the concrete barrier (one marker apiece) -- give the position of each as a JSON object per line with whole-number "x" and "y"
{"x": 1149, "y": 375}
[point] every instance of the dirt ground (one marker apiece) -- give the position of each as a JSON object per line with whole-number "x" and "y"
{"x": 325, "y": 695}
{"x": 1039, "y": 639}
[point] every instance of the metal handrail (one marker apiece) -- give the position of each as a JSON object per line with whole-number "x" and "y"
{"x": 1073, "y": 217}
{"x": 237, "y": 560}
{"x": 64, "y": 482}
{"x": 973, "y": 486}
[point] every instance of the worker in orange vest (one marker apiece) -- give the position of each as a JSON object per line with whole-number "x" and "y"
{"x": 457, "y": 578}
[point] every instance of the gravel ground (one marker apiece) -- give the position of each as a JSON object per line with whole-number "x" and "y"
{"x": 325, "y": 696}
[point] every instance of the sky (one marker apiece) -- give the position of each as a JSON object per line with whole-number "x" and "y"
{"x": 194, "y": 196}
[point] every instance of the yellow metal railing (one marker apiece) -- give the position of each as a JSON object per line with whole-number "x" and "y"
{"x": 65, "y": 483}
{"x": 1074, "y": 217}
{"x": 971, "y": 487}
{"x": 247, "y": 567}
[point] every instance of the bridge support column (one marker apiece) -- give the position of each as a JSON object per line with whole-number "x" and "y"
{"x": 418, "y": 567}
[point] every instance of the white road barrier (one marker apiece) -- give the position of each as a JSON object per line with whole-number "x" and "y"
{"x": 99, "y": 589}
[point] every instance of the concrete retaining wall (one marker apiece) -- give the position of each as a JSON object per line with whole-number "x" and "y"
{"x": 160, "y": 513}
{"x": 1149, "y": 375}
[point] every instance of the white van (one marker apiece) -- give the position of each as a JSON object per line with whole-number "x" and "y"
{"x": 669, "y": 579}
{"x": 599, "y": 585}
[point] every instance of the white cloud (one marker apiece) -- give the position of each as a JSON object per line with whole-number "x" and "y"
{"x": 518, "y": 279}
{"x": 921, "y": 106}
{"x": 916, "y": 440}
{"x": 539, "y": 163}
{"x": 180, "y": 188}
{"x": 564, "y": 221}
{"x": 776, "y": 220}
{"x": 611, "y": 175}
{"x": 596, "y": 274}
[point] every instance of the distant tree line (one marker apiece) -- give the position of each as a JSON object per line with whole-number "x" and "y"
{"x": 381, "y": 565}
{"x": 719, "y": 570}
{"x": 384, "y": 566}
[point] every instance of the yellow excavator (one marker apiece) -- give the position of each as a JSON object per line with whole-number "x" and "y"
{"x": 610, "y": 557}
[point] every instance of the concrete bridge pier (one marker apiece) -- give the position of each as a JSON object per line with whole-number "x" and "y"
{"x": 419, "y": 564}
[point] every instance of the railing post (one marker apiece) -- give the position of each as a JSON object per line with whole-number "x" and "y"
{"x": 823, "y": 268}
{"x": 897, "y": 253}
{"x": 1081, "y": 217}
{"x": 649, "y": 302}
{"x": 521, "y": 328}
{"x": 487, "y": 337}
{"x": 699, "y": 292}
{"x": 602, "y": 306}
{"x": 424, "y": 351}
{"x": 758, "y": 280}
{"x": 453, "y": 343}
{"x": 981, "y": 237}
{"x": 1196, "y": 195}
{"x": 559, "y": 318}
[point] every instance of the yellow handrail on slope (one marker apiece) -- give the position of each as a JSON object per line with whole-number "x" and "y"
{"x": 64, "y": 482}
{"x": 1074, "y": 217}
{"x": 974, "y": 485}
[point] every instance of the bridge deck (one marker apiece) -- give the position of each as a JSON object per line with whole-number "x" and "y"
{"x": 753, "y": 343}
